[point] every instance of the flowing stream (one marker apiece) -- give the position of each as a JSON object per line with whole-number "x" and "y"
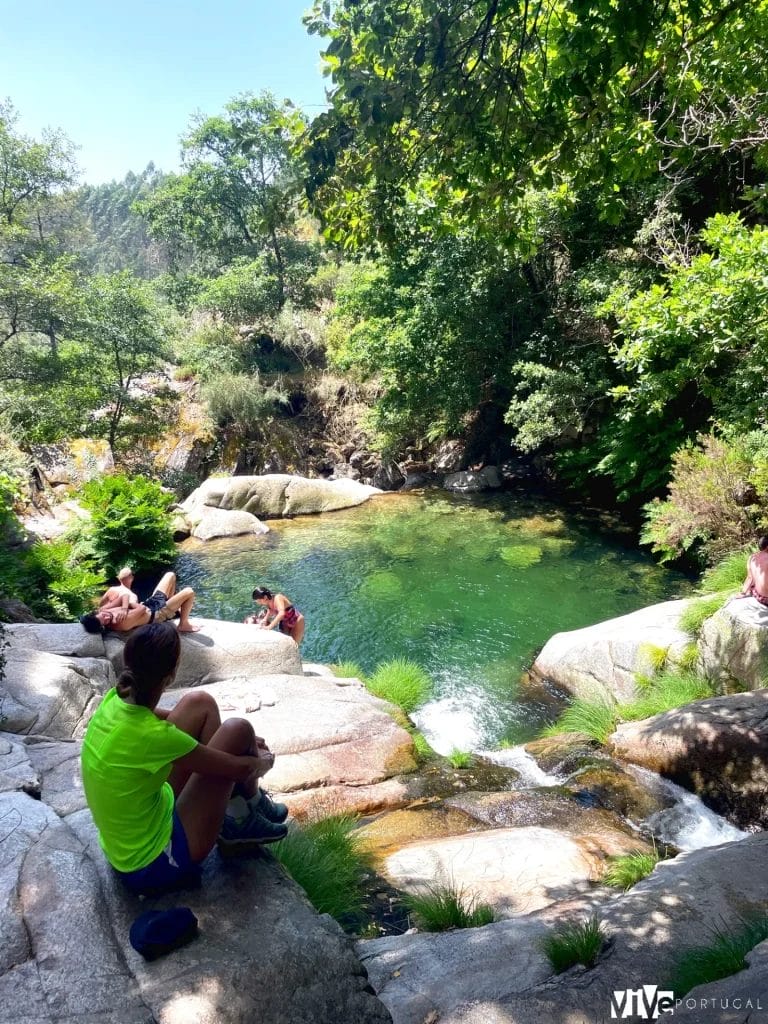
{"x": 470, "y": 588}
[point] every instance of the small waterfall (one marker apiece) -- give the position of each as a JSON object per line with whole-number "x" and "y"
{"x": 448, "y": 724}
{"x": 687, "y": 824}
{"x": 531, "y": 775}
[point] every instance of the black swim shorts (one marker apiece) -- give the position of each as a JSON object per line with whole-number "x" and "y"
{"x": 157, "y": 601}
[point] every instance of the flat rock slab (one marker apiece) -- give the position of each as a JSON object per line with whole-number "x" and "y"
{"x": 679, "y": 906}
{"x": 603, "y": 660}
{"x": 263, "y": 953}
{"x": 426, "y": 976}
{"x": 223, "y": 650}
{"x": 515, "y": 870}
{"x": 324, "y": 734}
{"x": 718, "y": 747}
{"x": 50, "y": 694}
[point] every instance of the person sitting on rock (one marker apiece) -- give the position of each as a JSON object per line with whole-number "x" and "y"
{"x": 280, "y": 613}
{"x": 756, "y": 583}
{"x": 121, "y": 596}
{"x": 160, "y": 783}
{"x": 162, "y": 605}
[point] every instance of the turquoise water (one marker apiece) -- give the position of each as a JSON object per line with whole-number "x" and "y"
{"x": 469, "y": 588}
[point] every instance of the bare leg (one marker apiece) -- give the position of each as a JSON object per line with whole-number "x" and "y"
{"x": 297, "y": 633}
{"x": 182, "y": 603}
{"x": 201, "y": 800}
{"x": 198, "y": 715}
{"x": 167, "y": 584}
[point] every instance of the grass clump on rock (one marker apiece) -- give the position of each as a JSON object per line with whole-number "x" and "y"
{"x": 460, "y": 758}
{"x": 347, "y": 670}
{"x": 627, "y": 870}
{"x": 664, "y": 692}
{"x": 572, "y": 944}
{"x": 325, "y": 859}
{"x": 401, "y": 682}
{"x": 724, "y": 956}
{"x": 698, "y": 611}
{"x": 440, "y": 908}
{"x": 594, "y": 718}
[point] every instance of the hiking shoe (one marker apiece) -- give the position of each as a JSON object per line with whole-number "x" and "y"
{"x": 264, "y": 804}
{"x": 242, "y": 835}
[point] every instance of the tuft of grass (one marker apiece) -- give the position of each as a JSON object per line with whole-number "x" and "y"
{"x": 439, "y": 908}
{"x": 627, "y": 870}
{"x": 348, "y": 670}
{"x": 698, "y": 611}
{"x": 729, "y": 574}
{"x": 595, "y": 718}
{"x": 460, "y": 758}
{"x": 422, "y": 748}
{"x": 324, "y": 858}
{"x": 401, "y": 682}
{"x": 656, "y": 656}
{"x": 667, "y": 691}
{"x": 688, "y": 657}
{"x": 574, "y": 944}
{"x": 724, "y": 956}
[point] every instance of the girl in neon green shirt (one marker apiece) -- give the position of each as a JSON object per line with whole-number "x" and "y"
{"x": 158, "y": 782}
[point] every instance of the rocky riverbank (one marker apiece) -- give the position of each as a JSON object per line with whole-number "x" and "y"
{"x": 536, "y": 854}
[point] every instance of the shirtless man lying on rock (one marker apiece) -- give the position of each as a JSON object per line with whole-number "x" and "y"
{"x": 160, "y": 607}
{"x": 120, "y": 596}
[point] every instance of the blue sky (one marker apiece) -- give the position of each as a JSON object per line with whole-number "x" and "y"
{"x": 122, "y": 79}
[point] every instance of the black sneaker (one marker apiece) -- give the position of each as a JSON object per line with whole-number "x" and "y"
{"x": 242, "y": 835}
{"x": 264, "y": 804}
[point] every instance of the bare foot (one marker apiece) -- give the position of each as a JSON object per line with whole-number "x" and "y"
{"x": 189, "y": 628}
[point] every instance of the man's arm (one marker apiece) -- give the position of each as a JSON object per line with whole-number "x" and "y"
{"x": 749, "y": 582}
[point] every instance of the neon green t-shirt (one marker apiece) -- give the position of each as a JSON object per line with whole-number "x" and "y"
{"x": 126, "y": 759}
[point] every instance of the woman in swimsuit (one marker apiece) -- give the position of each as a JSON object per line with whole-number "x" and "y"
{"x": 280, "y": 613}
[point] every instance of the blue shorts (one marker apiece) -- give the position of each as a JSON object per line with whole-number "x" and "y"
{"x": 171, "y": 870}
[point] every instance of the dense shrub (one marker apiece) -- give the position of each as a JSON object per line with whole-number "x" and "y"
{"x": 242, "y": 401}
{"x": 129, "y": 524}
{"x": 717, "y": 499}
{"x": 49, "y": 578}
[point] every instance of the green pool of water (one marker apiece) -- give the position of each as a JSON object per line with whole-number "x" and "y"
{"x": 469, "y": 588}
